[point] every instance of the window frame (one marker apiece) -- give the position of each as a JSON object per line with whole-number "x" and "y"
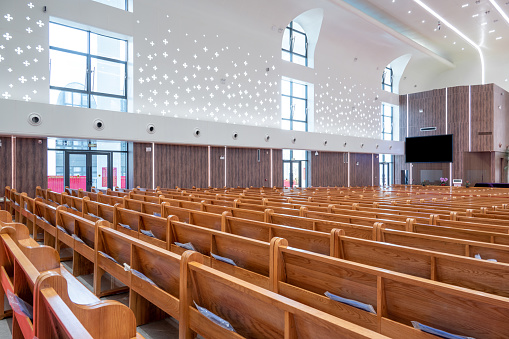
{"x": 292, "y": 106}
{"x": 291, "y": 51}
{"x": 89, "y": 74}
{"x": 388, "y": 86}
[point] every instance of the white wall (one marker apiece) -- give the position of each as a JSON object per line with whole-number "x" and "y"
{"x": 182, "y": 49}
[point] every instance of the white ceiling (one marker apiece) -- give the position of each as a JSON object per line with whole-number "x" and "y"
{"x": 478, "y": 20}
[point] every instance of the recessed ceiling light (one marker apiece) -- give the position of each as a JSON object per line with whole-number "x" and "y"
{"x": 475, "y": 15}
{"x": 465, "y": 5}
{"x": 463, "y": 48}
{"x": 409, "y": 12}
{"x": 484, "y": 24}
{"x": 491, "y": 31}
{"x": 454, "y": 43}
{"x": 423, "y": 21}
{"x": 445, "y": 36}
{"x": 498, "y": 38}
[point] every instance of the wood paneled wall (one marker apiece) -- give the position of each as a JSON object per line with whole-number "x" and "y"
{"x": 426, "y": 109}
{"x": 482, "y": 118}
{"x": 329, "y": 169}
{"x": 31, "y": 164}
{"x": 399, "y": 160}
{"x": 178, "y": 165}
{"x": 361, "y": 169}
{"x": 142, "y": 165}
{"x": 243, "y": 168}
{"x": 478, "y": 118}
{"x": 457, "y": 121}
{"x": 277, "y": 167}
{"x": 217, "y": 166}
{"x": 5, "y": 163}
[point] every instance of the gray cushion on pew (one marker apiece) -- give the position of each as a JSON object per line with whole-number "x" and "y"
{"x": 20, "y": 306}
{"x": 126, "y": 226}
{"x": 437, "y": 332}
{"x": 109, "y": 257}
{"x": 478, "y": 256}
{"x": 354, "y": 303}
{"x": 148, "y": 233}
{"x": 223, "y": 259}
{"x": 63, "y": 229}
{"x": 187, "y": 245}
{"x": 143, "y": 276}
{"x": 75, "y": 237}
{"x": 95, "y": 216}
{"x": 214, "y": 318}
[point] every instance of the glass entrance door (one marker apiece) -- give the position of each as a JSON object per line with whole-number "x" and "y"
{"x": 86, "y": 169}
{"x": 294, "y": 173}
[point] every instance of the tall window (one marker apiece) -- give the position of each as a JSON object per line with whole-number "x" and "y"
{"x": 87, "y": 69}
{"x": 294, "y": 105}
{"x": 386, "y": 161}
{"x": 295, "y": 44}
{"x": 121, "y": 4}
{"x": 387, "y": 79}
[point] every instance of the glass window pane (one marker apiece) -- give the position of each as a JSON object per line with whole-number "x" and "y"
{"x": 286, "y": 154}
{"x": 286, "y": 174}
{"x": 121, "y": 4}
{"x": 286, "y": 39}
{"x": 56, "y": 171}
{"x": 68, "y": 70}
{"x": 299, "y": 60}
{"x": 299, "y": 155}
{"x": 299, "y": 126}
{"x": 303, "y": 165}
{"x": 285, "y": 107}
{"x": 297, "y": 27}
{"x": 108, "y": 47}
{"x": 107, "y": 103}
{"x": 299, "y": 90}
{"x": 285, "y": 124}
{"x": 387, "y": 136}
{"x": 108, "y": 77}
{"x": 285, "y": 56}
{"x": 299, "y": 111}
{"x": 285, "y": 87}
{"x": 299, "y": 45}
{"x": 119, "y": 169}
{"x": 388, "y": 125}
{"x": 66, "y": 98}
{"x": 68, "y": 38}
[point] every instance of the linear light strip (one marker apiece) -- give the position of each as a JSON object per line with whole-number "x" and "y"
{"x": 499, "y": 9}
{"x": 153, "y": 166}
{"x": 271, "y": 170}
{"x": 457, "y": 31}
{"x": 470, "y": 118}
{"x": 208, "y": 181}
{"x": 446, "y": 127}
{"x": 225, "y": 166}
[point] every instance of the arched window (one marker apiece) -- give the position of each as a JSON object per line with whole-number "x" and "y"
{"x": 387, "y": 79}
{"x": 295, "y": 44}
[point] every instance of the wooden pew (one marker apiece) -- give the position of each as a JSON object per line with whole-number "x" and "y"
{"x": 59, "y": 316}
{"x": 146, "y": 227}
{"x": 205, "y": 219}
{"x": 397, "y": 298}
{"x": 24, "y": 269}
{"x": 253, "y": 312}
{"x": 141, "y": 206}
{"x": 94, "y": 210}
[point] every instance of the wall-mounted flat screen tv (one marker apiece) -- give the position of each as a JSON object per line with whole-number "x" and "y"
{"x": 435, "y": 148}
